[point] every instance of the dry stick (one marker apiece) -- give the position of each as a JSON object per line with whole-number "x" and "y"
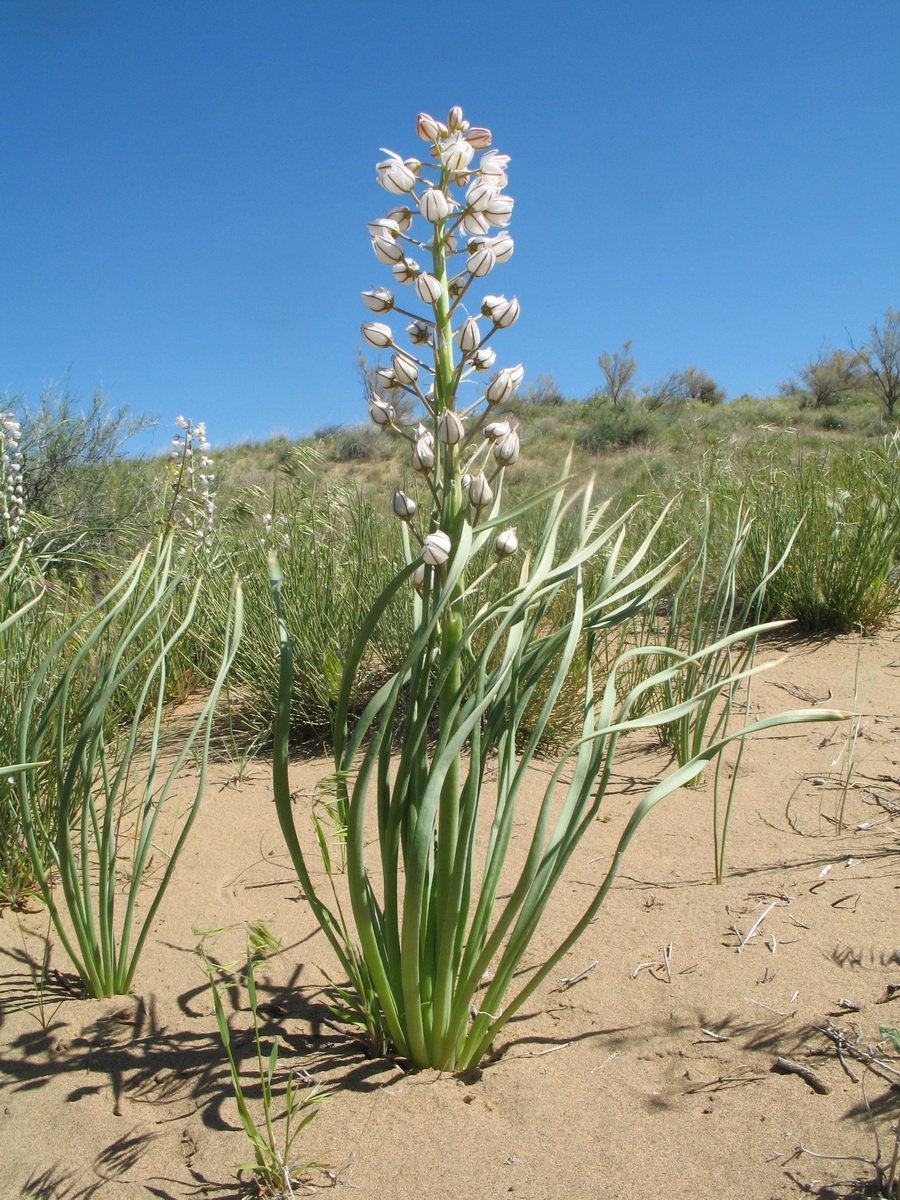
{"x": 756, "y": 925}
{"x": 581, "y": 974}
{"x": 863, "y": 1055}
{"x": 666, "y": 955}
{"x": 787, "y": 1066}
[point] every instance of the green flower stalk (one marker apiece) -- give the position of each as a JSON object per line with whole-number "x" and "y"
{"x": 436, "y": 939}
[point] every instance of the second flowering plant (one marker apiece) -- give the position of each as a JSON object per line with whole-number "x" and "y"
{"x": 437, "y": 935}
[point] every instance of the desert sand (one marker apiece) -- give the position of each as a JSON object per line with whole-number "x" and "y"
{"x": 649, "y": 1075}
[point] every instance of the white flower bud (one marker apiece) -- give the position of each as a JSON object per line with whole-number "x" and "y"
{"x": 490, "y": 304}
{"x": 456, "y": 286}
{"x": 428, "y": 288}
{"x": 387, "y": 251}
{"x": 468, "y": 336}
{"x": 496, "y": 429}
{"x": 422, "y": 455}
{"x": 506, "y": 449}
{"x": 378, "y": 299}
{"x": 436, "y": 548}
{"x": 479, "y": 194}
{"x": 484, "y": 358}
{"x": 405, "y": 370}
{"x": 387, "y": 379}
{"x": 395, "y": 175}
{"x": 418, "y": 577}
{"x": 407, "y": 270}
{"x": 508, "y": 314}
{"x": 181, "y": 423}
{"x": 516, "y": 375}
{"x": 419, "y": 331}
{"x": 493, "y": 169}
{"x": 455, "y": 118}
{"x": 499, "y": 210}
{"x": 499, "y": 390}
{"x": 383, "y": 227}
{"x": 450, "y": 428}
{"x": 480, "y": 491}
{"x": 428, "y": 128}
{"x": 456, "y": 153}
{"x": 377, "y": 334}
{"x": 482, "y": 261}
{"x": 380, "y": 412}
{"x": 474, "y": 222}
{"x": 404, "y": 506}
{"x": 434, "y": 205}
{"x": 401, "y": 216}
{"x": 506, "y": 543}
{"x": 479, "y": 137}
{"x": 503, "y": 246}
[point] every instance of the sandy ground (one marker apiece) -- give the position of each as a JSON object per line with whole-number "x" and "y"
{"x": 651, "y": 1075}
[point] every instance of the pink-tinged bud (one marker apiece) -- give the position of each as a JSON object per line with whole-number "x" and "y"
{"x": 395, "y": 175}
{"x": 455, "y": 118}
{"x": 506, "y": 449}
{"x": 436, "y": 548}
{"x": 506, "y": 543}
{"x": 387, "y": 251}
{"x": 508, "y": 315}
{"x": 384, "y": 227}
{"x": 405, "y": 369}
{"x": 484, "y": 358}
{"x": 401, "y": 216}
{"x": 406, "y": 271}
{"x": 450, "y": 430}
{"x": 499, "y": 210}
{"x": 480, "y": 491}
{"x": 378, "y": 299}
{"x": 403, "y": 506}
{"x": 479, "y": 137}
{"x": 481, "y": 262}
{"x": 496, "y": 429}
{"x": 419, "y": 332}
{"x": 380, "y": 412}
{"x": 434, "y": 205}
{"x": 377, "y": 334}
{"x": 428, "y": 128}
{"x": 468, "y": 336}
{"x": 456, "y": 153}
{"x": 428, "y": 288}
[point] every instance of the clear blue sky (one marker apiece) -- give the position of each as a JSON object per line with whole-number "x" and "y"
{"x": 186, "y": 186}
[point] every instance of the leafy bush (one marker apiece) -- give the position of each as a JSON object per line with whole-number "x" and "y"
{"x": 611, "y": 426}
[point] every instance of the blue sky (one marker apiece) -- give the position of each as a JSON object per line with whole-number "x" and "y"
{"x": 186, "y": 186}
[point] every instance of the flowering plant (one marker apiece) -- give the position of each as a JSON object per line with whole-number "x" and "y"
{"x": 439, "y": 941}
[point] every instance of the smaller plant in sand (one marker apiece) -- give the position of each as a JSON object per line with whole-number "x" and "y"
{"x": 109, "y": 785}
{"x": 273, "y": 1166}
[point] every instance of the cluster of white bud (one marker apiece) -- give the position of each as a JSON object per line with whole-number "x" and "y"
{"x": 195, "y": 483}
{"x": 12, "y": 483}
{"x": 459, "y": 194}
